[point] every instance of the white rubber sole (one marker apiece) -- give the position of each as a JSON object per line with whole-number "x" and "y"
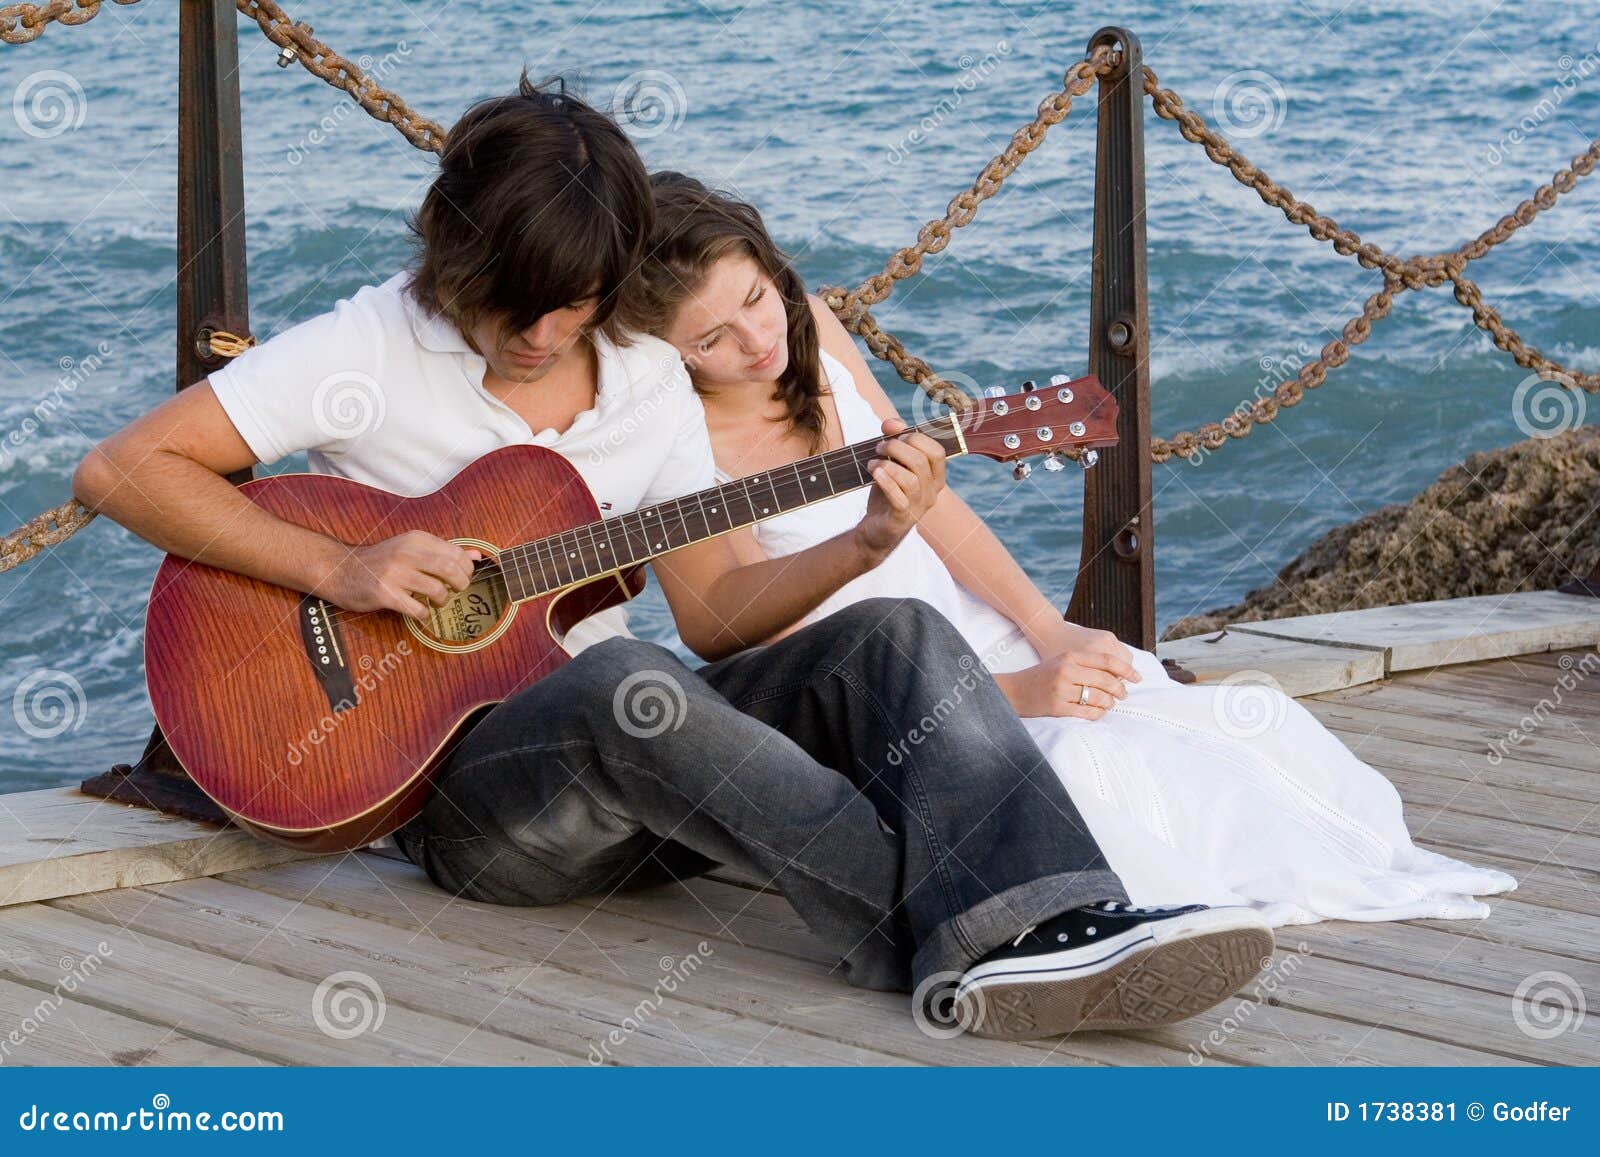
{"x": 1152, "y": 975}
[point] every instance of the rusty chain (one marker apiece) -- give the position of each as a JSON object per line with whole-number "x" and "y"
{"x": 21, "y": 23}
{"x": 60, "y": 523}
{"x": 322, "y": 61}
{"x": 1399, "y": 275}
{"x": 55, "y": 525}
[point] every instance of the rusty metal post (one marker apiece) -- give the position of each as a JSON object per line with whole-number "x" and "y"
{"x": 1115, "y": 588}
{"x": 212, "y": 292}
{"x": 211, "y": 296}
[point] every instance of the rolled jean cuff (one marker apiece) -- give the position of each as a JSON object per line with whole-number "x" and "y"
{"x": 957, "y": 944}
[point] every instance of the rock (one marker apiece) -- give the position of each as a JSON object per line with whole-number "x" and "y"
{"x": 1523, "y": 518}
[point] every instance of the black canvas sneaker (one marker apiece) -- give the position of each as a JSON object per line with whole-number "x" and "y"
{"x": 1112, "y": 966}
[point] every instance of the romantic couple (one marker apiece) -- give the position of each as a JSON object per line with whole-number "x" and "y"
{"x": 1077, "y": 843}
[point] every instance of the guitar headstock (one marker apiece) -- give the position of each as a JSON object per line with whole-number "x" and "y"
{"x": 1068, "y": 414}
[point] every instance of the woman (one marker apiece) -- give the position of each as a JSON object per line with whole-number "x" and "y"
{"x": 1226, "y": 794}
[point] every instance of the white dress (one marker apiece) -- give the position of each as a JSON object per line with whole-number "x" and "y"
{"x": 1213, "y": 794}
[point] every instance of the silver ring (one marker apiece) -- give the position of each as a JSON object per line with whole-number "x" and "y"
{"x": 1083, "y": 695}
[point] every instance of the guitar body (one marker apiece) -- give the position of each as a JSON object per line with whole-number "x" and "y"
{"x": 320, "y": 728}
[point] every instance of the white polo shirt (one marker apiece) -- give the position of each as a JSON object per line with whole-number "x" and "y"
{"x": 383, "y": 392}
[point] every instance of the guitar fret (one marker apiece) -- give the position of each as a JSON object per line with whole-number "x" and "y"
{"x": 740, "y": 509}
{"x": 799, "y": 481}
{"x": 511, "y": 560}
{"x": 603, "y": 554}
{"x": 716, "y": 518}
{"x": 638, "y": 537}
{"x": 626, "y": 555}
{"x": 576, "y": 554}
{"x": 549, "y": 553}
{"x": 589, "y": 557}
{"x": 557, "y": 557}
{"x": 568, "y": 555}
{"x": 699, "y": 512}
{"x": 593, "y": 555}
{"x": 683, "y": 521}
{"x": 656, "y": 530}
{"x": 530, "y": 560}
{"x": 766, "y": 508}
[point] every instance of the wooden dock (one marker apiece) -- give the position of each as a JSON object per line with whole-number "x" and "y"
{"x": 109, "y": 955}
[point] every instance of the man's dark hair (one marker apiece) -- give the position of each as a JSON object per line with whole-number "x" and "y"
{"x": 540, "y": 199}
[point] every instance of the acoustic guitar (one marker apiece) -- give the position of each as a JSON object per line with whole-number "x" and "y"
{"x": 321, "y": 728}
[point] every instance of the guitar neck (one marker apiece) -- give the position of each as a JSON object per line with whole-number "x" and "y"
{"x": 585, "y": 552}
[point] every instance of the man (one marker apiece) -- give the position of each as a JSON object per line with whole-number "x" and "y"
{"x": 964, "y": 862}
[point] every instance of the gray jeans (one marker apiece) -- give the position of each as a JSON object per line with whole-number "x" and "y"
{"x": 867, "y": 765}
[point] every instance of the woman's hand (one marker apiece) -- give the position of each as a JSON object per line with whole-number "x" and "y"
{"x": 907, "y": 476}
{"x": 1075, "y": 658}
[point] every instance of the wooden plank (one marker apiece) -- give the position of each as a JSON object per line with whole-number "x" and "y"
{"x": 1434, "y": 697}
{"x": 1438, "y": 951}
{"x": 235, "y": 1005}
{"x": 1464, "y": 630}
{"x": 1417, "y": 698}
{"x": 1268, "y": 1030}
{"x": 53, "y": 1028}
{"x": 1569, "y": 691}
{"x": 1297, "y": 668}
{"x": 1554, "y": 886}
{"x": 60, "y": 842}
{"x": 1582, "y": 660}
{"x": 543, "y": 1005}
{"x": 739, "y": 979}
{"x": 1439, "y": 693}
{"x": 1561, "y": 764}
{"x": 1573, "y": 849}
{"x": 1270, "y": 1036}
{"x": 1433, "y": 1009}
{"x": 1520, "y": 924}
{"x": 1425, "y": 793}
{"x": 709, "y": 907}
{"x": 1561, "y": 785}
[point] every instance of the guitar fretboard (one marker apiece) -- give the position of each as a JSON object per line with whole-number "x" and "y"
{"x": 585, "y": 552}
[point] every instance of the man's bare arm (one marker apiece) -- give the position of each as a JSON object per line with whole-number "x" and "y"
{"x": 162, "y": 476}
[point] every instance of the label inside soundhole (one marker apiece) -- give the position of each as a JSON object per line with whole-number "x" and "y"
{"x": 473, "y": 613}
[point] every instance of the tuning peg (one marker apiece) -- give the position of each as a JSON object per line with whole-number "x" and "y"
{"x": 1053, "y": 462}
{"x": 1059, "y": 379}
{"x": 1022, "y": 470}
{"x": 994, "y": 391}
{"x": 1088, "y": 458}
{"x": 1029, "y": 386}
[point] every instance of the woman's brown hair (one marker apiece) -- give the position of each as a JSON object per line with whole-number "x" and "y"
{"x": 540, "y": 200}
{"x": 694, "y": 228}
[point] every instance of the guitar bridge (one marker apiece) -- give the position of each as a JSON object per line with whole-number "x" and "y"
{"x": 319, "y": 631}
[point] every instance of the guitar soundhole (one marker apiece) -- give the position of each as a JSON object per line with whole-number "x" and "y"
{"x": 473, "y": 616}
